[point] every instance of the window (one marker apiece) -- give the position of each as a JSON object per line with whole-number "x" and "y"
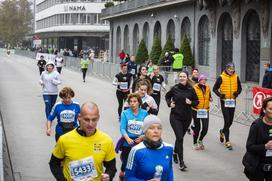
{"x": 203, "y": 41}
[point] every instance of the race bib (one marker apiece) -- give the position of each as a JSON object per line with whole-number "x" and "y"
{"x": 132, "y": 71}
{"x": 230, "y": 103}
{"x": 156, "y": 87}
{"x": 202, "y": 113}
{"x": 83, "y": 170}
{"x": 268, "y": 153}
{"x": 123, "y": 85}
{"x": 135, "y": 127}
{"x": 67, "y": 116}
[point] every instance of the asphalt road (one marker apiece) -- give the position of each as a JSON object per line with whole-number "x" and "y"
{"x": 22, "y": 107}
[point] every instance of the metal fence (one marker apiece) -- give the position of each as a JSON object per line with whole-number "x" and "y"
{"x": 107, "y": 70}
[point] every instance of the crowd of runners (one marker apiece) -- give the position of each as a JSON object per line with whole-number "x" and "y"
{"x": 83, "y": 152}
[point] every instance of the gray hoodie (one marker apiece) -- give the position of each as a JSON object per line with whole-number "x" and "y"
{"x": 50, "y": 81}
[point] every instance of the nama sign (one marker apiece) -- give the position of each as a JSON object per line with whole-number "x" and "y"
{"x": 74, "y": 8}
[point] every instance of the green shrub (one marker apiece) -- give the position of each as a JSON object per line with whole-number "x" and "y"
{"x": 142, "y": 53}
{"x": 156, "y": 50}
{"x": 168, "y": 47}
{"x": 108, "y": 4}
{"x": 185, "y": 49}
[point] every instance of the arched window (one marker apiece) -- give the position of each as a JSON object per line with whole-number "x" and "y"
{"x": 118, "y": 40}
{"x": 146, "y": 33}
{"x": 135, "y": 38}
{"x": 252, "y": 46}
{"x": 126, "y": 39}
{"x": 171, "y": 29}
{"x": 203, "y": 41}
{"x": 157, "y": 30}
{"x": 185, "y": 29}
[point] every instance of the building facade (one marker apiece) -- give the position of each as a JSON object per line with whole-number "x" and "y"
{"x": 71, "y": 24}
{"x": 219, "y": 31}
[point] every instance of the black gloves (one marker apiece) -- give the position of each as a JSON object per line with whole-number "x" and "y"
{"x": 144, "y": 106}
{"x": 222, "y": 96}
{"x": 235, "y": 94}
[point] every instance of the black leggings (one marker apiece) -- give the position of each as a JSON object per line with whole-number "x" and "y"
{"x": 121, "y": 97}
{"x": 124, "y": 157}
{"x": 197, "y": 125}
{"x": 41, "y": 70}
{"x": 59, "y": 69}
{"x": 228, "y": 114}
{"x": 84, "y": 71}
{"x": 180, "y": 127}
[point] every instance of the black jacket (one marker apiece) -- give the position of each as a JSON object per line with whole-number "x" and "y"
{"x": 257, "y": 138}
{"x": 267, "y": 80}
{"x": 178, "y": 94}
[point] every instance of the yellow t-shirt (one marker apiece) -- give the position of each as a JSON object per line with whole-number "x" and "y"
{"x": 83, "y": 156}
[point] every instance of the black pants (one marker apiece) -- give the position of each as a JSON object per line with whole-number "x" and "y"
{"x": 197, "y": 127}
{"x": 180, "y": 127}
{"x": 259, "y": 175}
{"x": 41, "y": 70}
{"x": 124, "y": 157}
{"x": 157, "y": 98}
{"x": 84, "y": 71}
{"x": 121, "y": 97}
{"x": 59, "y": 69}
{"x": 228, "y": 114}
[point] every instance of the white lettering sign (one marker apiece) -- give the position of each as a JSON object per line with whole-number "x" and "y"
{"x": 74, "y": 8}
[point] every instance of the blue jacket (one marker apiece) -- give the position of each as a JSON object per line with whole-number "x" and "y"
{"x": 142, "y": 162}
{"x": 66, "y": 115}
{"x": 131, "y": 124}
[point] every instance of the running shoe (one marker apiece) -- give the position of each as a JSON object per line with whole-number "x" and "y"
{"x": 201, "y": 145}
{"x": 175, "y": 158}
{"x": 221, "y": 136}
{"x": 228, "y": 145}
{"x": 196, "y": 147}
{"x": 182, "y": 166}
{"x": 122, "y": 176}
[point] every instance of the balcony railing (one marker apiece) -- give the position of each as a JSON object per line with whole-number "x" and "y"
{"x": 130, "y": 5}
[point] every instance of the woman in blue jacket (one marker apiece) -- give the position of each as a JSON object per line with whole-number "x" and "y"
{"x": 131, "y": 128}
{"x": 143, "y": 162}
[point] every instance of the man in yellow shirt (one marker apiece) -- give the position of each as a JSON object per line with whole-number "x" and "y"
{"x": 84, "y": 151}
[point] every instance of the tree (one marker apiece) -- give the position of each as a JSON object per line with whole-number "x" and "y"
{"x": 185, "y": 49}
{"x": 168, "y": 47}
{"x": 108, "y": 4}
{"x": 142, "y": 53}
{"x": 156, "y": 50}
{"x": 15, "y": 20}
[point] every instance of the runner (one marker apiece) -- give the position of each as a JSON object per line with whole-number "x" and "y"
{"x": 132, "y": 66}
{"x": 66, "y": 112}
{"x": 157, "y": 81}
{"x": 195, "y": 74}
{"x": 143, "y": 162}
{"x": 148, "y": 103}
{"x": 227, "y": 87}
{"x": 258, "y": 158}
{"x": 201, "y": 112}
{"x": 49, "y": 80}
{"x": 59, "y": 63}
{"x": 130, "y": 128}
{"x": 142, "y": 75}
{"x": 84, "y": 151}
{"x": 84, "y": 64}
{"x": 123, "y": 82}
{"x": 180, "y": 98}
{"x": 41, "y": 64}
